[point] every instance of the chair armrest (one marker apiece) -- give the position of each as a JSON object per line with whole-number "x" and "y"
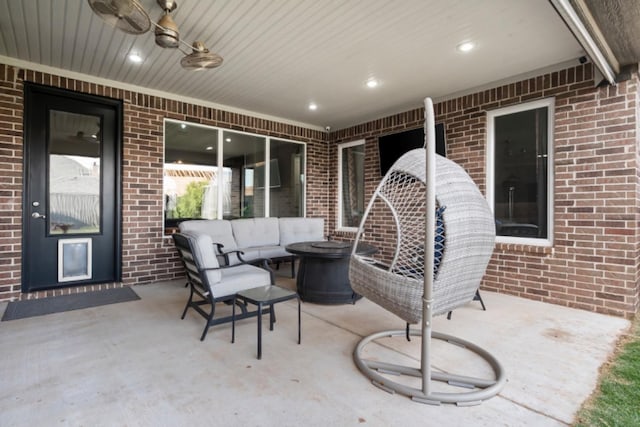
{"x": 220, "y": 250}
{"x": 263, "y": 261}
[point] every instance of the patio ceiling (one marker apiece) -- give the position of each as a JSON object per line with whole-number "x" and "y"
{"x": 279, "y": 56}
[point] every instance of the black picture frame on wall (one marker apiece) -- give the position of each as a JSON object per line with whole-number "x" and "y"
{"x": 391, "y": 147}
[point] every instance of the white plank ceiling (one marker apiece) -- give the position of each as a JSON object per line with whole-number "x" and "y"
{"x": 280, "y": 55}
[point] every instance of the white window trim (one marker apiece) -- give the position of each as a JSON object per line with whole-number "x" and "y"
{"x": 490, "y": 167}
{"x": 341, "y": 147}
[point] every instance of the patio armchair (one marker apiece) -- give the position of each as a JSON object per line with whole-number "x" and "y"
{"x": 211, "y": 283}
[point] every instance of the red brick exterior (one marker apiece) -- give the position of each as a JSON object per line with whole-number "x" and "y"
{"x": 594, "y": 263}
{"x": 147, "y": 254}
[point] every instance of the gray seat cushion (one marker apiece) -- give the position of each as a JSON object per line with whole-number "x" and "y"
{"x": 273, "y": 252}
{"x": 239, "y": 278}
{"x": 255, "y": 232}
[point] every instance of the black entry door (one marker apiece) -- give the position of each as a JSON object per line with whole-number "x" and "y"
{"x": 71, "y": 210}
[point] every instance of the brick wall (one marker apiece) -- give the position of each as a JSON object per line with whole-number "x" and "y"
{"x": 594, "y": 262}
{"x": 148, "y": 255}
{"x": 10, "y": 181}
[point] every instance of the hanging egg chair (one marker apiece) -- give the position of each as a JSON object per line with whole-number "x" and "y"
{"x": 442, "y": 226}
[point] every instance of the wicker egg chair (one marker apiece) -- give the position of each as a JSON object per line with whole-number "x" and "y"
{"x": 455, "y": 242}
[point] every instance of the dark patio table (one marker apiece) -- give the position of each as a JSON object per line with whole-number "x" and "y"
{"x": 323, "y": 275}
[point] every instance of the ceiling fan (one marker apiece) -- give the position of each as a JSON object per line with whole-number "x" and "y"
{"x": 130, "y": 17}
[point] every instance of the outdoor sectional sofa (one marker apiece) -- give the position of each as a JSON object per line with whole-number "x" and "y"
{"x": 256, "y": 238}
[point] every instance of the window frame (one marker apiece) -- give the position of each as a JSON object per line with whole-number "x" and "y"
{"x": 340, "y": 227}
{"x": 548, "y": 103}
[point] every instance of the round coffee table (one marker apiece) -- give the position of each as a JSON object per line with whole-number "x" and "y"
{"x": 323, "y": 275}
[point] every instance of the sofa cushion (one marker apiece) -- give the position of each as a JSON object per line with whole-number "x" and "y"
{"x": 219, "y": 230}
{"x": 294, "y": 230}
{"x": 273, "y": 252}
{"x": 254, "y": 232}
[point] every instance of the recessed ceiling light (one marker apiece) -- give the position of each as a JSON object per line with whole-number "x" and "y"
{"x": 182, "y": 125}
{"x": 371, "y": 83}
{"x": 313, "y": 107}
{"x": 135, "y": 57}
{"x": 228, "y": 139}
{"x": 465, "y": 46}
{"x": 209, "y": 148}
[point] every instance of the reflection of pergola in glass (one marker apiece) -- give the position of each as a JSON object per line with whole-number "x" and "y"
{"x": 74, "y": 194}
{"x": 177, "y": 178}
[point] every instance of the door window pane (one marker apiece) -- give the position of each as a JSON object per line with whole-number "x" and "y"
{"x": 521, "y": 173}
{"x": 351, "y": 185}
{"x": 286, "y": 174}
{"x": 74, "y": 173}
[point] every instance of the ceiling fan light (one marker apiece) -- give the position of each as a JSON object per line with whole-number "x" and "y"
{"x": 200, "y": 58}
{"x": 167, "y": 34}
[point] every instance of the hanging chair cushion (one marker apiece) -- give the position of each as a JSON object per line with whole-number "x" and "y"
{"x": 438, "y": 250}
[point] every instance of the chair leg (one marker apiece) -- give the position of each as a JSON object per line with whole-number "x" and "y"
{"x": 184, "y": 313}
{"x": 477, "y": 297}
{"x": 272, "y": 317}
{"x": 233, "y": 320}
{"x": 259, "y": 330}
{"x": 242, "y": 305}
{"x": 209, "y": 319}
{"x": 299, "y": 322}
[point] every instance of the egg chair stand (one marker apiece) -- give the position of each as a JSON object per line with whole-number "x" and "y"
{"x": 445, "y": 235}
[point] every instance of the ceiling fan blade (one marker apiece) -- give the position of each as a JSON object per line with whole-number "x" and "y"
{"x": 104, "y": 8}
{"x": 126, "y": 15}
{"x": 134, "y": 24}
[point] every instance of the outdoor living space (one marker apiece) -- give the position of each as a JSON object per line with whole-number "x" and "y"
{"x": 137, "y": 363}
{"x": 111, "y": 144}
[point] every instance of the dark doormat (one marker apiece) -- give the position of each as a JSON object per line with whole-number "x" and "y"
{"x": 40, "y": 307}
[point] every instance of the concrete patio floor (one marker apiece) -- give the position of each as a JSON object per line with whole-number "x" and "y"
{"x": 138, "y": 364}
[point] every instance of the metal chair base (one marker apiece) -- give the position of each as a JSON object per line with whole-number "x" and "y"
{"x": 482, "y": 389}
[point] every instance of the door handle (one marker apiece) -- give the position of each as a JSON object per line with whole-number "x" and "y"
{"x": 37, "y": 215}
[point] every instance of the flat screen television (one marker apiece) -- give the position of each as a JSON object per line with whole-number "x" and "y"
{"x": 391, "y": 147}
